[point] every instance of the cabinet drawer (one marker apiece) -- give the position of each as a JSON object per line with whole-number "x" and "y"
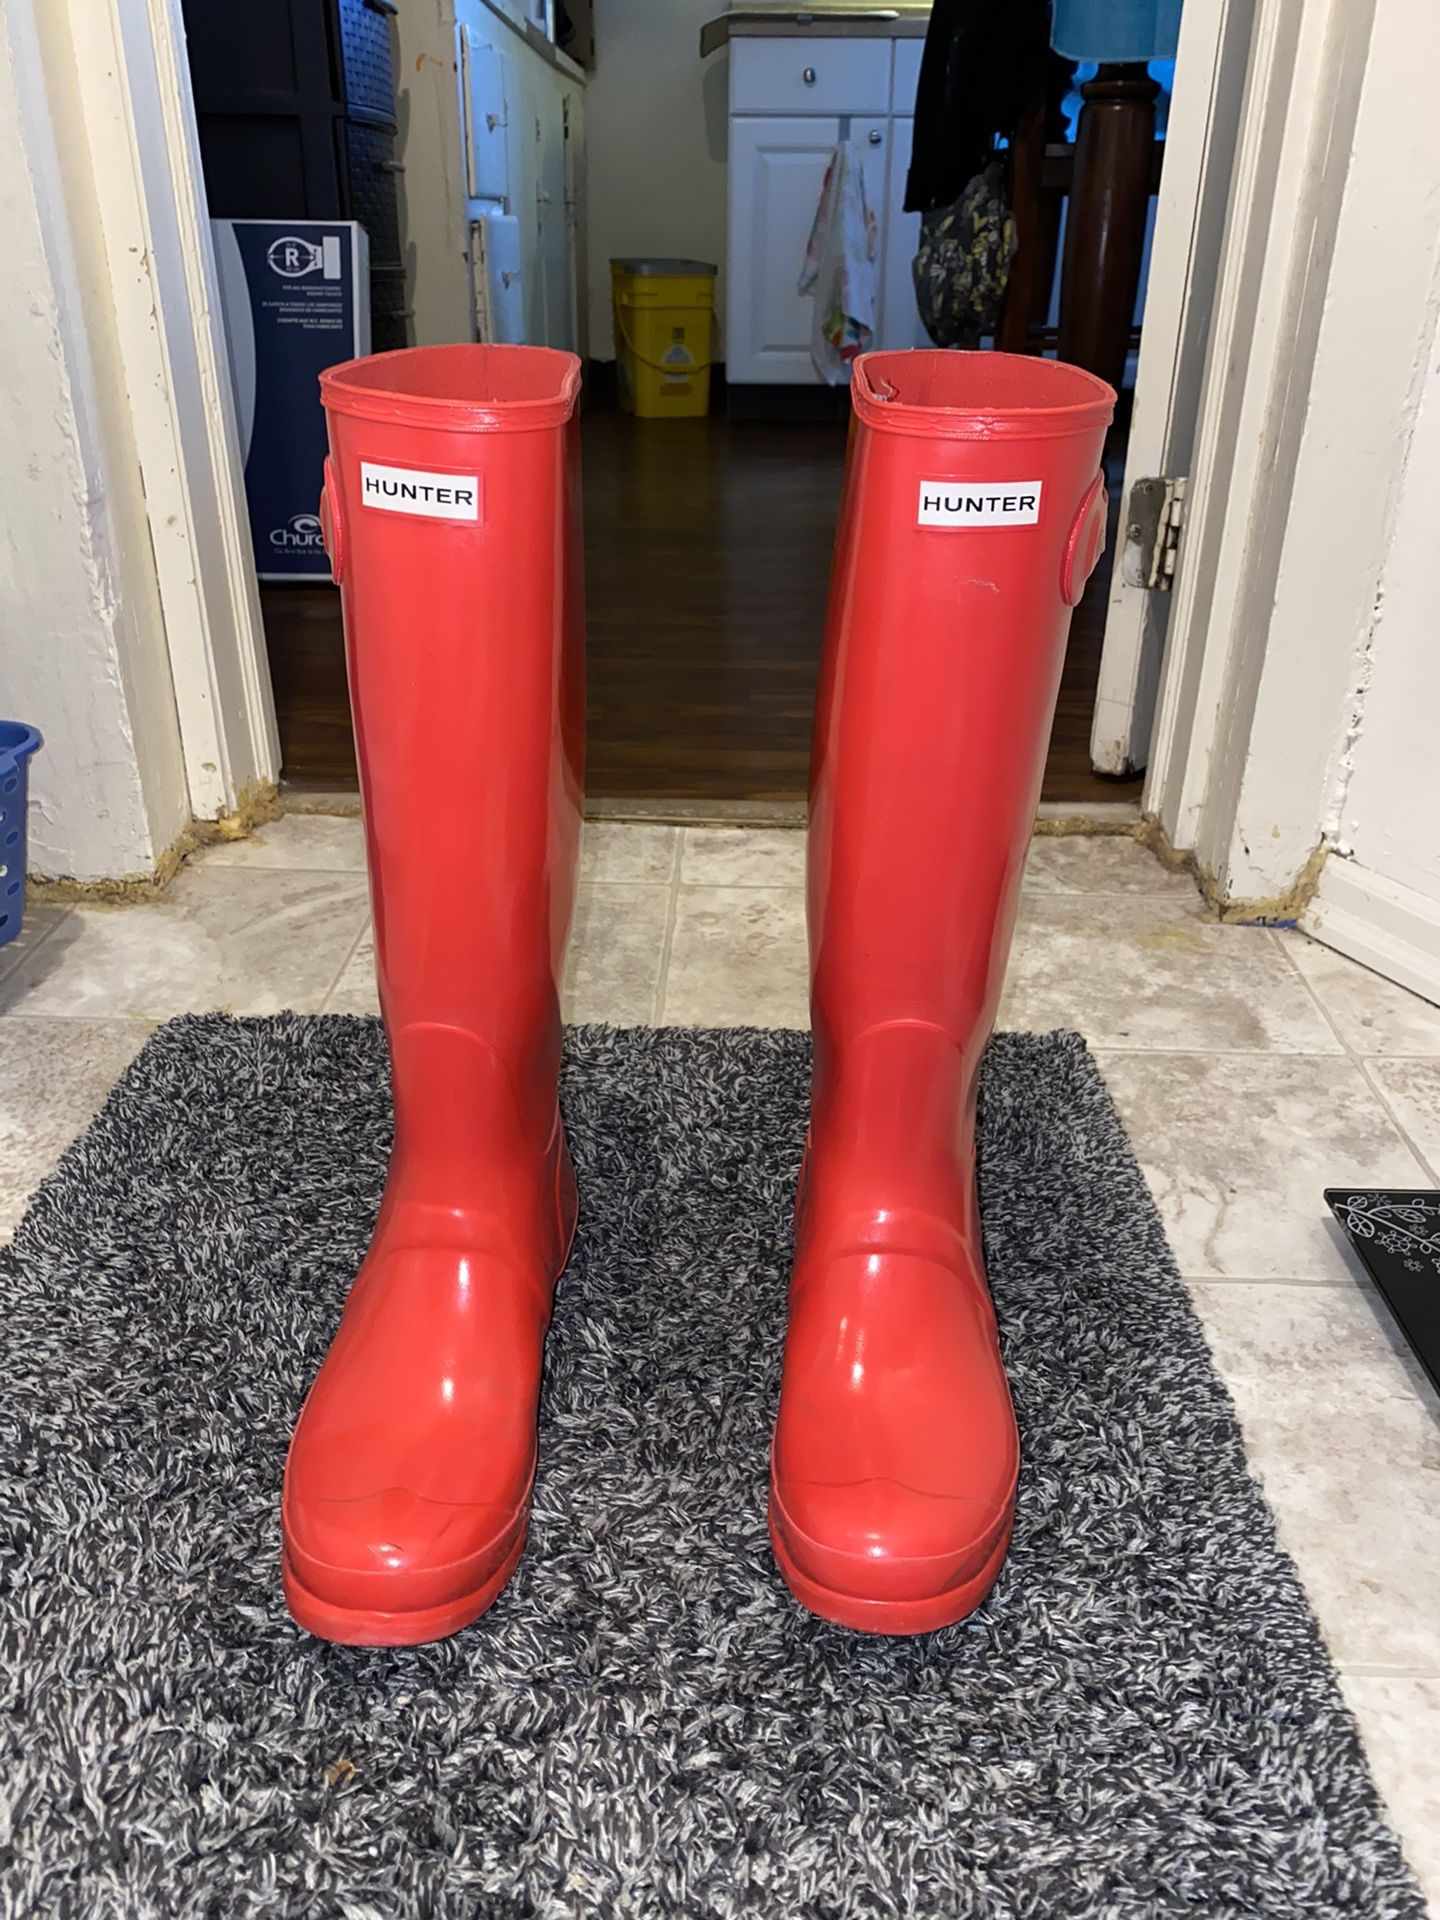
{"x": 809, "y": 75}
{"x": 907, "y": 74}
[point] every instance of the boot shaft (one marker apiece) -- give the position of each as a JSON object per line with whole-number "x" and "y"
{"x": 453, "y": 503}
{"x": 452, "y": 509}
{"x": 973, "y": 512}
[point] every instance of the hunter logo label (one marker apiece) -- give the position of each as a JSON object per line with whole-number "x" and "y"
{"x": 988, "y": 503}
{"x": 433, "y": 496}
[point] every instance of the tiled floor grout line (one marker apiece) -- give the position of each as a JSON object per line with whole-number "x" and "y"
{"x": 350, "y": 953}
{"x": 667, "y": 938}
{"x": 1287, "y": 948}
{"x": 1365, "y": 1063}
{"x": 1127, "y": 895}
{"x": 1099, "y": 1047}
{"x": 1102, "y": 1050}
{"x": 96, "y": 1019}
{"x": 20, "y": 959}
{"x": 1346, "y": 1283}
{"x": 1265, "y": 1053}
{"x": 740, "y": 886}
{"x": 1367, "y": 1670}
{"x": 1357, "y": 1059}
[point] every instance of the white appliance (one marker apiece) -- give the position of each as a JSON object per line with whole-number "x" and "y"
{"x": 490, "y": 211}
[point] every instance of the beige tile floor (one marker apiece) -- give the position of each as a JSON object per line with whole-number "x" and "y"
{"x": 1252, "y": 1068}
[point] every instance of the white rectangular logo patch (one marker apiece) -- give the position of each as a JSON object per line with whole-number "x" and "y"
{"x": 991, "y": 503}
{"x": 434, "y": 496}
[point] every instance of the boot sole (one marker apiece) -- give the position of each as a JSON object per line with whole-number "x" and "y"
{"x": 893, "y": 1617}
{"x": 367, "y": 1627}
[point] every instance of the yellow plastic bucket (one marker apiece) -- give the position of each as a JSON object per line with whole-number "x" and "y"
{"x": 664, "y": 336}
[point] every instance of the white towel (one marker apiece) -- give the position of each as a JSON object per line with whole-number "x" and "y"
{"x": 839, "y": 267}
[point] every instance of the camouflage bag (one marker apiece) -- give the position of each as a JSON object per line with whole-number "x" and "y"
{"x": 964, "y": 261}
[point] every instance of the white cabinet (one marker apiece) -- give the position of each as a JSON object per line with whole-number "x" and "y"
{"x": 792, "y": 100}
{"x": 899, "y": 316}
{"x": 491, "y": 127}
{"x": 810, "y": 74}
{"x": 909, "y": 56}
{"x": 553, "y": 319}
{"x": 777, "y": 168}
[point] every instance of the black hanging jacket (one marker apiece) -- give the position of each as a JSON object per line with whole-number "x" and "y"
{"x": 978, "y": 74}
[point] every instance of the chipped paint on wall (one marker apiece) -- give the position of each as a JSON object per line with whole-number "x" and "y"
{"x": 1386, "y": 800}
{"x": 85, "y": 659}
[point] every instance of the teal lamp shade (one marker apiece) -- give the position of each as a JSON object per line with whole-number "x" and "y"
{"x": 1116, "y": 29}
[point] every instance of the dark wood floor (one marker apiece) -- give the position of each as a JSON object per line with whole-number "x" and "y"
{"x": 707, "y": 549}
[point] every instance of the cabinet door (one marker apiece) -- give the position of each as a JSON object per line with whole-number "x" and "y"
{"x": 484, "y": 118}
{"x": 777, "y": 168}
{"x": 552, "y": 219}
{"x": 871, "y": 140}
{"x": 899, "y": 317}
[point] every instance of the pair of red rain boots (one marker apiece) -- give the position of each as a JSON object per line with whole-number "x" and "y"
{"x": 973, "y": 513}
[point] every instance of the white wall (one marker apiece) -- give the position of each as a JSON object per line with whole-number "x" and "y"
{"x": 1354, "y": 394}
{"x": 1389, "y": 813}
{"x": 433, "y": 220}
{"x": 127, "y": 106}
{"x": 131, "y": 633}
{"x": 84, "y": 654}
{"x": 655, "y": 125}
{"x": 1303, "y": 481}
{"x": 1296, "y": 733}
{"x": 1378, "y": 899}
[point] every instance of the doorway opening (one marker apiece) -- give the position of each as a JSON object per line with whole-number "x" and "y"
{"x": 492, "y": 151}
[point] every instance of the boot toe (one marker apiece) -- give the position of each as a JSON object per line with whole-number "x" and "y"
{"x": 896, "y": 1454}
{"x": 398, "y": 1551}
{"x": 881, "y": 1542}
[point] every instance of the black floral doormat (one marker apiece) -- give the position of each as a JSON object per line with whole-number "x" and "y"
{"x": 1141, "y": 1721}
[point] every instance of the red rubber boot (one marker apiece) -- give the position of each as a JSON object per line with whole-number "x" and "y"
{"x": 451, "y": 509}
{"x": 973, "y": 514}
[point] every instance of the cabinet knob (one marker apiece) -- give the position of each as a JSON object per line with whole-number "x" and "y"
{"x": 875, "y": 136}
{"x": 809, "y": 76}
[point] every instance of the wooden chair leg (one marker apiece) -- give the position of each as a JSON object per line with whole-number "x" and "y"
{"x": 1105, "y": 231}
{"x": 1033, "y": 268}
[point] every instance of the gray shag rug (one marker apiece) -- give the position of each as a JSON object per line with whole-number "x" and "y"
{"x": 1141, "y": 1720}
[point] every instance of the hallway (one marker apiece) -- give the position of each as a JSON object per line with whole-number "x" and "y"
{"x": 707, "y": 552}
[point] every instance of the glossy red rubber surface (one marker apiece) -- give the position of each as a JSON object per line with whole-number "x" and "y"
{"x": 896, "y": 1453}
{"x": 408, "y": 1482}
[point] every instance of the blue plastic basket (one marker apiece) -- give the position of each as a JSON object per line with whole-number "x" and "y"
{"x": 17, "y": 743}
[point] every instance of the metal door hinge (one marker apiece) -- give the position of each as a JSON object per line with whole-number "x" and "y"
{"x": 1152, "y": 533}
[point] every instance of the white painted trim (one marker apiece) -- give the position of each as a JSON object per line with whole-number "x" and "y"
{"x": 1381, "y": 923}
{"x": 157, "y": 239}
{"x": 1310, "y": 400}
{"x": 84, "y": 654}
{"x": 1179, "y": 295}
{"x": 1327, "y": 608}
{"x": 1306, "y": 63}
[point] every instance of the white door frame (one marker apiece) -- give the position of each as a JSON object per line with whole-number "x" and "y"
{"x": 139, "y": 117}
{"x": 1210, "y": 69}
{"x": 1307, "y": 61}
